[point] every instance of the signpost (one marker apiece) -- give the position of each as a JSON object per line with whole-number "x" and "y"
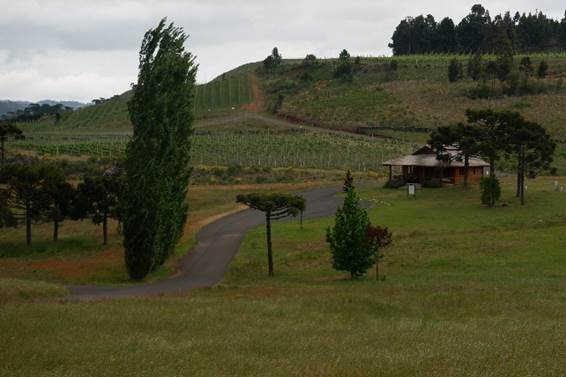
{"x": 412, "y": 190}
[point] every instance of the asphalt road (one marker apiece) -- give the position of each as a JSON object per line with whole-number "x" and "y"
{"x": 217, "y": 244}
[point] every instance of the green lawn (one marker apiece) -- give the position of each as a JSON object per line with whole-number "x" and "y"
{"x": 468, "y": 292}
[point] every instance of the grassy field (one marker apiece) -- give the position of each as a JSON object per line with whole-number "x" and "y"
{"x": 468, "y": 292}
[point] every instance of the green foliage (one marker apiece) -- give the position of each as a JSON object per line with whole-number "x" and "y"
{"x": 526, "y": 66}
{"x": 490, "y": 190}
{"x": 344, "y": 70}
{"x": 272, "y": 61}
{"x": 455, "y": 71}
{"x": 478, "y": 31}
{"x": 8, "y": 131}
{"x": 542, "y": 69}
{"x": 475, "y": 67}
{"x": 348, "y": 182}
{"x": 99, "y": 197}
{"x": 310, "y": 60}
{"x": 7, "y": 218}
{"x": 28, "y": 192}
{"x": 348, "y": 238}
{"x": 157, "y": 158}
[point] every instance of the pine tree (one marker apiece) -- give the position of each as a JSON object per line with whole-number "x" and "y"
{"x": 348, "y": 182}
{"x": 475, "y": 67}
{"x": 348, "y": 238}
{"x": 455, "y": 71}
{"x": 542, "y": 69}
{"x": 157, "y": 158}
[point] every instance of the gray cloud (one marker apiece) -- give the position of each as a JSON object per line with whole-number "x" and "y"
{"x": 82, "y": 49}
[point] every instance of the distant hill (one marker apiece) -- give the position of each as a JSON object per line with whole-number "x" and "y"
{"x": 7, "y": 106}
{"x": 71, "y": 104}
{"x": 224, "y": 95}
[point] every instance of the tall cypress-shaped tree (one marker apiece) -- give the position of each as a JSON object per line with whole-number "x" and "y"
{"x": 157, "y": 158}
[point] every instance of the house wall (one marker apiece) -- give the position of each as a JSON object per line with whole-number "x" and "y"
{"x": 474, "y": 175}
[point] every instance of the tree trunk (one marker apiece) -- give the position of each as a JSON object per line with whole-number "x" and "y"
{"x": 28, "y": 223}
{"x": 2, "y": 152}
{"x": 492, "y": 176}
{"x": 301, "y": 219}
{"x": 105, "y": 228}
{"x": 466, "y": 169}
{"x": 523, "y": 168}
{"x": 55, "y": 230}
{"x": 269, "y": 248}
{"x": 518, "y": 193}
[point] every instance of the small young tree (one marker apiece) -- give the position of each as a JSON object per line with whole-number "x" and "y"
{"x": 348, "y": 182}
{"x": 526, "y": 66}
{"x": 455, "y": 71}
{"x": 348, "y": 240}
{"x": 475, "y": 67}
{"x": 274, "y": 206}
{"x": 377, "y": 238}
{"x": 8, "y": 131}
{"x": 542, "y": 69}
{"x": 490, "y": 190}
{"x": 344, "y": 69}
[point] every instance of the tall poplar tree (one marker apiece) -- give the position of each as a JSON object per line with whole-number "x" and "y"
{"x": 158, "y": 156}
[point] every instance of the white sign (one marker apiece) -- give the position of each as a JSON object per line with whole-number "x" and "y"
{"x": 412, "y": 189}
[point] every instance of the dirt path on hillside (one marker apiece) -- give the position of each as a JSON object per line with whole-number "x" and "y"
{"x": 258, "y": 103}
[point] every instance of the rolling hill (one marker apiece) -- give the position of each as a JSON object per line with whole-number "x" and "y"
{"x": 401, "y": 98}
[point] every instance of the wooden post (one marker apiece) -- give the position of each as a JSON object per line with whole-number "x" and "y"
{"x": 390, "y": 173}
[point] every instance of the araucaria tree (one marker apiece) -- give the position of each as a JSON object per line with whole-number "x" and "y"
{"x": 158, "y": 156}
{"x": 99, "y": 198}
{"x": 26, "y": 193}
{"x": 351, "y": 248}
{"x": 7, "y": 131}
{"x": 274, "y": 206}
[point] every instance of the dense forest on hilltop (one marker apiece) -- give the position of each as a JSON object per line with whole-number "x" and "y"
{"x": 478, "y": 31}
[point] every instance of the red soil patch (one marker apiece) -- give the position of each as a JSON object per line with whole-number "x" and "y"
{"x": 259, "y": 99}
{"x": 83, "y": 267}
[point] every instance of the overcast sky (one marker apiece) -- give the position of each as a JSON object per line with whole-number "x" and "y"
{"x": 85, "y": 49}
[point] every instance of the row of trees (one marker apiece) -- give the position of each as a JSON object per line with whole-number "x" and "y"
{"x": 478, "y": 31}
{"x": 150, "y": 198}
{"x": 502, "y": 68}
{"x": 31, "y": 194}
{"x": 495, "y": 135}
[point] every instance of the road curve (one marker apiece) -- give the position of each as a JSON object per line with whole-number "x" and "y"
{"x": 217, "y": 244}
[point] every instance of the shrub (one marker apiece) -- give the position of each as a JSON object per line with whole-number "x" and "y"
{"x": 542, "y": 70}
{"x": 490, "y": 190}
